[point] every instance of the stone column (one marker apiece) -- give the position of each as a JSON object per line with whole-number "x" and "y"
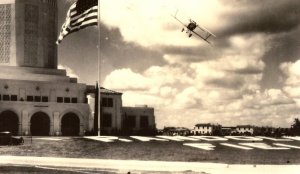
{"x": 56, "y": 124}
{"x": 20, "y": 129}
{"x": 81, "y": 130}
{"x": 25, "y": 123}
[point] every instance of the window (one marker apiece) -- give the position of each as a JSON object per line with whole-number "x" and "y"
{"x": 29, "y": 98}
{"x": 37, "y": 98}
{"x": 107, "y": 102}
{"x": 144, "y": 123}
{"x": 74, "y": 100}
{"x": 59, "y": 99}
{"x": 14, "y": 98}
{"x": 106, "y": 120}
{"x": 67, "y": 100}
{"x": 44, "y": 99}
{"x": 130, "y": 121}
{"x": 5, "y": 97}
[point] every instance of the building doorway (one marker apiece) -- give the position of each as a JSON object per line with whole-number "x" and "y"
{"x": 40, "y": 124}
{"x": 70, "y": 125}
{"x": 9, "y": 121}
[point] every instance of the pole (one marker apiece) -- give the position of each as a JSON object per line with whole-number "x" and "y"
{"x": 99, "y": 76}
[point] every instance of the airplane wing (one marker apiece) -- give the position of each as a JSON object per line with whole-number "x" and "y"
{"x": 204, "y": 38}
{"x": 203, "y": 33}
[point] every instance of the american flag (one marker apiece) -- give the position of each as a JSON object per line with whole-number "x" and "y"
{"x": 81, "y": 14}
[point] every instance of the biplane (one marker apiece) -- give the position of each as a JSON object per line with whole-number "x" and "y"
{"x": 191, "y": 27}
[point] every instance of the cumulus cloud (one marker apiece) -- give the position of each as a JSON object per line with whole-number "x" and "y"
{"x": 225, "y": 90}
{"x": 126, "y": 79}
{"x": 292, "y": 82}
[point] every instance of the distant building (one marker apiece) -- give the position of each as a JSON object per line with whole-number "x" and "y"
{"x": 245, "y": 129}
{"x": 206, "y": 129}
{"x": 174, "y": 131}
{"x": 228, "y": 130}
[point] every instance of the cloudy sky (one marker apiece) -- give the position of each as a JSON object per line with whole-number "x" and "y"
{"x": 251, "y": 74}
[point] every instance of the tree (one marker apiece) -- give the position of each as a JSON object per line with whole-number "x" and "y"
{"x": 295, "y": 128}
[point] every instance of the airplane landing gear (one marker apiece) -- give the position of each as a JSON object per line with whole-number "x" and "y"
{"x": 190, "y": 35}
{"x": 182, "y": 30}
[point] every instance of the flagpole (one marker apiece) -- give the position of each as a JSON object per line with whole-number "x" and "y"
{"x": 99, "y": 71}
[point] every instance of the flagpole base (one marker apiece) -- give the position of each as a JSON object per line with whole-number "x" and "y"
{"x": 99, "y": 134}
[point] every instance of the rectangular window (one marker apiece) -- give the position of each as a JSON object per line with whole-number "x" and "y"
{"x": 29, "y": 98}
{"x": 37, "y": 98}
{"x": 14, "y": 98}
{"x": 144, "y": 123}
{"x": 5, "y": 97}
{"x": 107, "y": 102}
{"x": 130, "y": 121}
{"x": 44, "y": 99}
{"x": 110, "y": 102}
{"x": 67, "y": 100}
{"x": 106, "y": 120}
{"x": 60, "y": 100}
{"x": 74, "y": 100}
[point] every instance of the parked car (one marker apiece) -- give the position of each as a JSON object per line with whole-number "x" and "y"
{"x": 6, "y": 138}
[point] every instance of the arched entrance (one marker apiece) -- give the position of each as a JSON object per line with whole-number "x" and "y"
{"x": 9, "y": 121}
{"x": 40, "y": 124}
{"x": 70, "y": 125}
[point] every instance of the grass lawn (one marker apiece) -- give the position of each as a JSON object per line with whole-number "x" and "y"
{"x": 153, "y": 150}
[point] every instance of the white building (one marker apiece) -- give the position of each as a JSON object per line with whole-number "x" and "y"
{"x": 245, "y": 129}
{"x": 206, "y": 129}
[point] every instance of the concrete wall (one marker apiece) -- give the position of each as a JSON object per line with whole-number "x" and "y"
{"x": 50, "y": 89}
{"x": 138, "y": 112}
{"x": 33, "y": 74}
{"x": 25, "y": 109}
{"x": 115, "y": 111}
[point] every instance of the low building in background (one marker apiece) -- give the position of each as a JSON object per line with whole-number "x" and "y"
{"x": 175, "y": 131}
{"x": 207, "y": 129}
{"x": 245, "y": 129}
{"x": 228, "y": 130}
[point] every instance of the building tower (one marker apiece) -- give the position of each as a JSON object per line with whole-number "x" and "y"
{"x": 36, "y": 98}
{"x": 28, "y": 31}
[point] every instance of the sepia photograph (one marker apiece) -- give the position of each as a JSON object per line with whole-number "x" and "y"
{"x": 150, "y": 86}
